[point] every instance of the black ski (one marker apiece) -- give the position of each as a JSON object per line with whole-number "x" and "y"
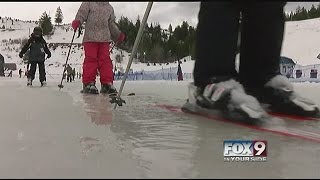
{"x": 282, "y": 126}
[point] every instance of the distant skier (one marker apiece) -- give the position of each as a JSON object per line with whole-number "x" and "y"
{"x": 38, "y": 48}
{"x": 20, "y": 72}
{"x": 69, "y": 73}
{"x": 100, "y": 30}
{"x": 179, "y": 73}
{"x": 217, "y": 85}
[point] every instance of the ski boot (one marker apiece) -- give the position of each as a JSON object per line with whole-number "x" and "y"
{"x": 278, "y": 96}
{"x": 226, "y": 99}
{"x": 90, "y": 89}
{"x": 29, "y": 83}
{"x": 108, "y": 89}
{"x": 43, "y": 83}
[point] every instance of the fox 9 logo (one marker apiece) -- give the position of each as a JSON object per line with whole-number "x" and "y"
{"x": 255, "y": 150}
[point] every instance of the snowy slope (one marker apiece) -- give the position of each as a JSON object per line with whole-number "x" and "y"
{"x": 63, "y": 34}
{"x": 301, "y": 43}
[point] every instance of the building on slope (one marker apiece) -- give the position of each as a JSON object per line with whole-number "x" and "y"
{"x": 286, "y": 66}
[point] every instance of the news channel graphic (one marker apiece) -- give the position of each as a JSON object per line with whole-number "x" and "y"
{"x": 245, "y": 150}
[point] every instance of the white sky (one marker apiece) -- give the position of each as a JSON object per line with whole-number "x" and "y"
{"x": 162, "y": 12}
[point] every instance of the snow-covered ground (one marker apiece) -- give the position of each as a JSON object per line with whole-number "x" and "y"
{"x": 47, "y": 133}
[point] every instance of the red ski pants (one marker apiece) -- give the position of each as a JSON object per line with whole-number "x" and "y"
{"x": 97, "y": 58}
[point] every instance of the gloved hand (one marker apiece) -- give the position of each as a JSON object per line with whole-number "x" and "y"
{"x": 20, "y": 55}
{"x": 120, "y": 38}
{"x": 75, "y": 24}
{"x": 49, "y": 56}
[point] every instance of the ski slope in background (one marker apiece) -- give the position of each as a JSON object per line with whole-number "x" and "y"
{"x": 301, "y": 43}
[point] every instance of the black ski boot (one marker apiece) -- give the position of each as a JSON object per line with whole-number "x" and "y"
{"x": 226, "y": 99}
{"x": 108, "y": 89}
{"x": 278, "y": 96}
{"x": 29, "y": 83}
{"x": 90, "y": 89}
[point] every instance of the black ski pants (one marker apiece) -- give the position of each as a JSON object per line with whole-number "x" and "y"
{"x": 42, "y": 71}
{"x": 262, "y": 28}
{"x": 69, "y": 78}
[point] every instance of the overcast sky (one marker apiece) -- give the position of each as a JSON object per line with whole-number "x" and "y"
{"x": 162, "y": 12}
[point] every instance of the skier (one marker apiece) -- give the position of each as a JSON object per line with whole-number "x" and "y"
{"x": 38, "y": 48}
{"x": 100, "y": 30}
{"x": 217, "y": 85}
{"x": 20, "y": 72}
{"x": 179, "y": 72}
{"x": 69, "y": 73}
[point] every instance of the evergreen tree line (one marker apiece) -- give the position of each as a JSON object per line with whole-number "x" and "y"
{"x": 158, "y": 45}
{"x": 302, "y": 13}
{"x": 46, "y": 24}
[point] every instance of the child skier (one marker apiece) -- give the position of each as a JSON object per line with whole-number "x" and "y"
{"x": 38, "y": 48}
{"x": 99, "y": 31}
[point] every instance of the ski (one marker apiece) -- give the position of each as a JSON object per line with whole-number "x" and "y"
{"x": 273, "y": 124}
{"x": 113, "y": 97}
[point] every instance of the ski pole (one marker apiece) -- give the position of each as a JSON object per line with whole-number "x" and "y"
{"x": 117, "y": 99}
{"x": 64, "y": 69}
{"x": 112, "y": 47}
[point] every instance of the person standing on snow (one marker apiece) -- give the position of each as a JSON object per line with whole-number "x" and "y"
{"x": 69, "y": 73}
{"x": 100, "y": 29}
{"x": 179, "y": 72}
{"x": 20, "y": 72}
{"x": 217, "y": 84}
{"x": 38, "y": 48}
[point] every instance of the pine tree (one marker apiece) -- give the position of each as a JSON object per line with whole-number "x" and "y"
{"x": 170, "y": 29}
{"x": 304, "y": 14}
{"x": 312, "y": 12}
{"x": 59, "y": 16}
{"x": 45, "y": 24}
{"x": 318, "y": 11}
